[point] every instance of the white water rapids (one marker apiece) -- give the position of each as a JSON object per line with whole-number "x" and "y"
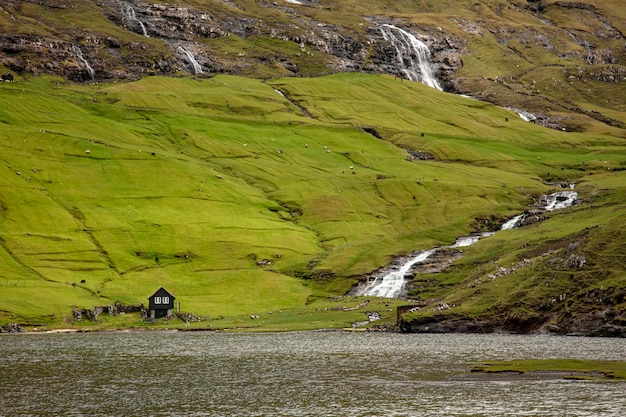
{"x": 560, "y": 200}
{"x": 513, "y": 222}
{"x": 391, "y": 285}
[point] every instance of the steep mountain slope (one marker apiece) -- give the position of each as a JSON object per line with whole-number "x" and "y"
{"x": 280, "y": 189}
{"x": 562, "y": 61}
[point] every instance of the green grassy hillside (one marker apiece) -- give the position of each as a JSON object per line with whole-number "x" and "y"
{"x": 298, "y": 161}
{"x": 242, "y": 200}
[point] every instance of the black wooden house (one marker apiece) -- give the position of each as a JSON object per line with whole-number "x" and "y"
{"x": 161, "y": 304}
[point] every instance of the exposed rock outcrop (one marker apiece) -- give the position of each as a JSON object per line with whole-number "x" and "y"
{"x": 606, "y": 323}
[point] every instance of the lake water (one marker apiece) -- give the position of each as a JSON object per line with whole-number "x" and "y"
{"x": 294, "y": 374}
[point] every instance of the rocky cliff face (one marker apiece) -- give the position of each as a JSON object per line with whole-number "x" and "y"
{"x": 512, "y": 53}
{"x": 147, "y": 36}
{"x": 163, "y": 27}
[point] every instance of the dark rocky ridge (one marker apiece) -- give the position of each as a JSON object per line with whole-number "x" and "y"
{"x": 362, "y": 49}
{"x": 607, "y": 322}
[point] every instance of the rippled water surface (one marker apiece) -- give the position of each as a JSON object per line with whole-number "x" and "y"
{"x": 294, "y": 374}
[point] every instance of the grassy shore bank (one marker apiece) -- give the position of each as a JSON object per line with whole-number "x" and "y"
{"x": 567, "y": 368}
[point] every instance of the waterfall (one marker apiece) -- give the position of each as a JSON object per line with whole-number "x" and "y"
{"x": 513, "y": 222}
{"x": 195, "y": 67}
{"x": 413, "y": 55}
{"x": 79, "y": 55}
{"x": 391, "y": 284}
{"x": 524, "y": 115}
{"x": 130, "y": 15}
{"x": 469, "y": 240}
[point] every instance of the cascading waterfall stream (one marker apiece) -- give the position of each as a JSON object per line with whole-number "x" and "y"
{"x": 413, "y": 55}
{"x": 131, "y": 16}
{"x": 391, "y": 285}
{"x": 195, "y": 66}
{"x": 560, "y": 200}
{"x": 523, "y": 114}
{"x": 513, "y": 222}
{"x": 414, "y": 61}
{"x": 88, "y": 68}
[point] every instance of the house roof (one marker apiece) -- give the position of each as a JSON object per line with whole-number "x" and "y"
{"x": 162, "y": 292}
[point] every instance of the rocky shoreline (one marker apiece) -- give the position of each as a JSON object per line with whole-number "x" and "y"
{"x": 592, "y": 324}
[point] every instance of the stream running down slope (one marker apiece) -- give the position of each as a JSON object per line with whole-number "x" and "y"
{"x": 391, "y": 283}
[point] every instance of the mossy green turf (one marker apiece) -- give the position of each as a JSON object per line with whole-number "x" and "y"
{"x": 609, "y": 369}
{"x": 228, "y": 194}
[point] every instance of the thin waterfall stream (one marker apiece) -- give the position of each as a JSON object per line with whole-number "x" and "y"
{"x": 195, "y": 66}
{"x": 392, "y": 283}
{"x": 81, "y": 57}
{"x": 131, "y": 16}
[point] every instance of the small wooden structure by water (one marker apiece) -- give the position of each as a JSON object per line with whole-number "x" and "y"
{"x": 400, "y": 310}
{"x": 161, "y": 304}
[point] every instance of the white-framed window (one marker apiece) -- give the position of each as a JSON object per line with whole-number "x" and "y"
{"x": 157, "y": 300}
{"x": 165, "y": 300}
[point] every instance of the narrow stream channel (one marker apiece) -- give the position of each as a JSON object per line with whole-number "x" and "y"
{"x": 391, "y": 284}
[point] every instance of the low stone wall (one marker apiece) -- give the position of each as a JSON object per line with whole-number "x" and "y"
{"x": 11, "y": 328}
{"x": 111, "y": 310}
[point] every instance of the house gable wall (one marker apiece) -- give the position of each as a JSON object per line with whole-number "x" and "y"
{"x": 161, "y": 300}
